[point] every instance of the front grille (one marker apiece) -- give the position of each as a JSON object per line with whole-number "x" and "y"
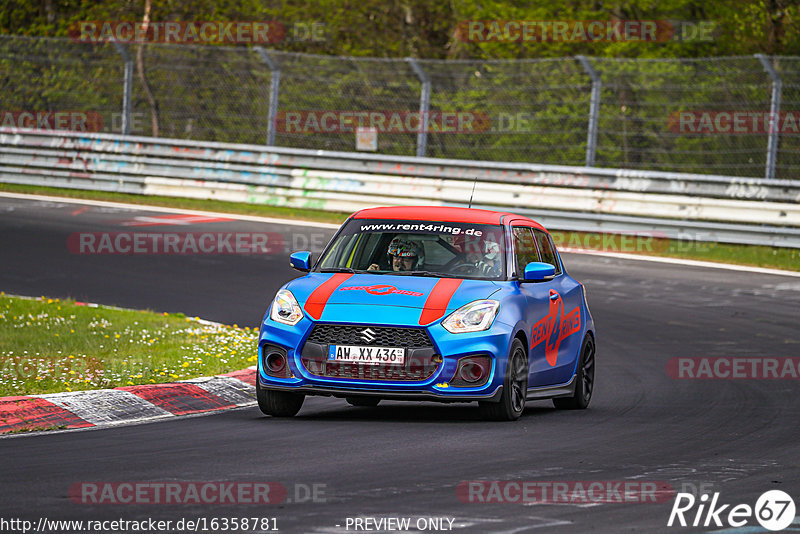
{"x": 413, "y": 372}
{"x": 379, "y": 336}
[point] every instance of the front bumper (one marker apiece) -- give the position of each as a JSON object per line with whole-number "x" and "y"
{"x": 388, "y": 394}
{"x": 436, "y": 385}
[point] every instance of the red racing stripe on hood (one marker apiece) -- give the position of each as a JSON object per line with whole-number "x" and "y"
{"x": 438, "y": 299}
{"x": 316, "y": 301}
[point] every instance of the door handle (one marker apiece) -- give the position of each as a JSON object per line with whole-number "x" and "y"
{"x": 554, "y": 296}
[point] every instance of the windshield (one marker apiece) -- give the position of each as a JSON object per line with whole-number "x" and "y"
{"x": 422, "y": 248}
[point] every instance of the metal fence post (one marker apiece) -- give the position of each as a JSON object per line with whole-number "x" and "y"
{"x": 127, "y": 87}
{"x": 774, "y": 111}
{"x": 274, "y": 88}
{"x": 424, "y": 106}
{"x": 594, "y": 110}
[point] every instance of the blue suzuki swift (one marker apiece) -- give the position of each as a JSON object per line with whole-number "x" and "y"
{"x": 430, "y": 303}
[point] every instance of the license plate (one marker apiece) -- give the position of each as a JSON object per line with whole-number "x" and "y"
{"x": 368, "y": 355}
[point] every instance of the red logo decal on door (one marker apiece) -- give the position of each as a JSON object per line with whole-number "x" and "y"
{"x": 555, "y": 327}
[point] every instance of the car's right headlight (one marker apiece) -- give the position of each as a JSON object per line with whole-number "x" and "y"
{"x": 472, "y": 317}
{"x": 285, "y": 308}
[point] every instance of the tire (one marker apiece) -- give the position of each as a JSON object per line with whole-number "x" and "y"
{"x": 278, "y": 403}
{"x": 584, "y": 380}
{"x": 367, "y": 402}
{"x": 515, "y": 388}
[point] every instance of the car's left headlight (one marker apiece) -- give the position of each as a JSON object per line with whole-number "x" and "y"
{"x": 285, "y": 308}
{"x": 472, "y": 317}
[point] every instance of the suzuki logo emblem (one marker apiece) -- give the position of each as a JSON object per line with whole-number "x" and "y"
{"x": 368, "y": 335}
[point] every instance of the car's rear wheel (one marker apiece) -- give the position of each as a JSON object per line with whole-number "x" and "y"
{"x": 584, "y": 380}
{"x": 278, "y": 403}
{"x": 515, "y": 388}
{"x": 368, "y": 402}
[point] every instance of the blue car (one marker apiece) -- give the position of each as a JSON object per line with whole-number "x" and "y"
{"x": 432, "y": 304}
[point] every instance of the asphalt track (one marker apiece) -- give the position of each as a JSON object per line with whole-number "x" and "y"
{"x": 735, "y": 437}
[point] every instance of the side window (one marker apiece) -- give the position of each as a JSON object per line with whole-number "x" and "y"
{"x": 524, "y": 248}
{"x": 549, "y": 254}
{"x": 340, "y": 253}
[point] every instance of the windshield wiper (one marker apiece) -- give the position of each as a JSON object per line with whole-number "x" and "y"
{"x": 425, "y": 273}
{"x": 352, "y": 271}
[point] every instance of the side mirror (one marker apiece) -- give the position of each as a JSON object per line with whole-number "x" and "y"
{"x": 301, "y": 260}
{"x": 537, "y": 271}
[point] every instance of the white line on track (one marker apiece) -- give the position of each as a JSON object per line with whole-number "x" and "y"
{"x": 293, "y": 222}
{"x": 681, "y": 261}
{"x": 145, "y": 207}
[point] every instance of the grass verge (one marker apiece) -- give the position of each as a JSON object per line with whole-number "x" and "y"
{"x": 751, "y": 255}
{"x": 50, "y": 345}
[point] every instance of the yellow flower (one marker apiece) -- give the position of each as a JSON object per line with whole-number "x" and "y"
{"x": 185, "y": 364}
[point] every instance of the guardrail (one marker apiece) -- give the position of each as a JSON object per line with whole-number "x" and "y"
{"x": 675, "y": 205}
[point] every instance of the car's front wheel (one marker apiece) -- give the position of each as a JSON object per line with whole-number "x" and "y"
{"x": 584, "y": 380}
{"x": 278, "y": 403}
{"x": 515, "y": 388}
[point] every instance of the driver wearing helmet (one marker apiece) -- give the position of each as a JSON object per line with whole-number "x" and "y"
{"x": 489, "y": 264}
{"x": 405, "y": 254}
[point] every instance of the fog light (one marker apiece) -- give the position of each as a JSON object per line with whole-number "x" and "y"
{"x": 471, "y": 372}
{"x": 276, "y": 362}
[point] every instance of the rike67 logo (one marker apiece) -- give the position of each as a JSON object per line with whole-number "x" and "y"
{"x": 774, "y": 510}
